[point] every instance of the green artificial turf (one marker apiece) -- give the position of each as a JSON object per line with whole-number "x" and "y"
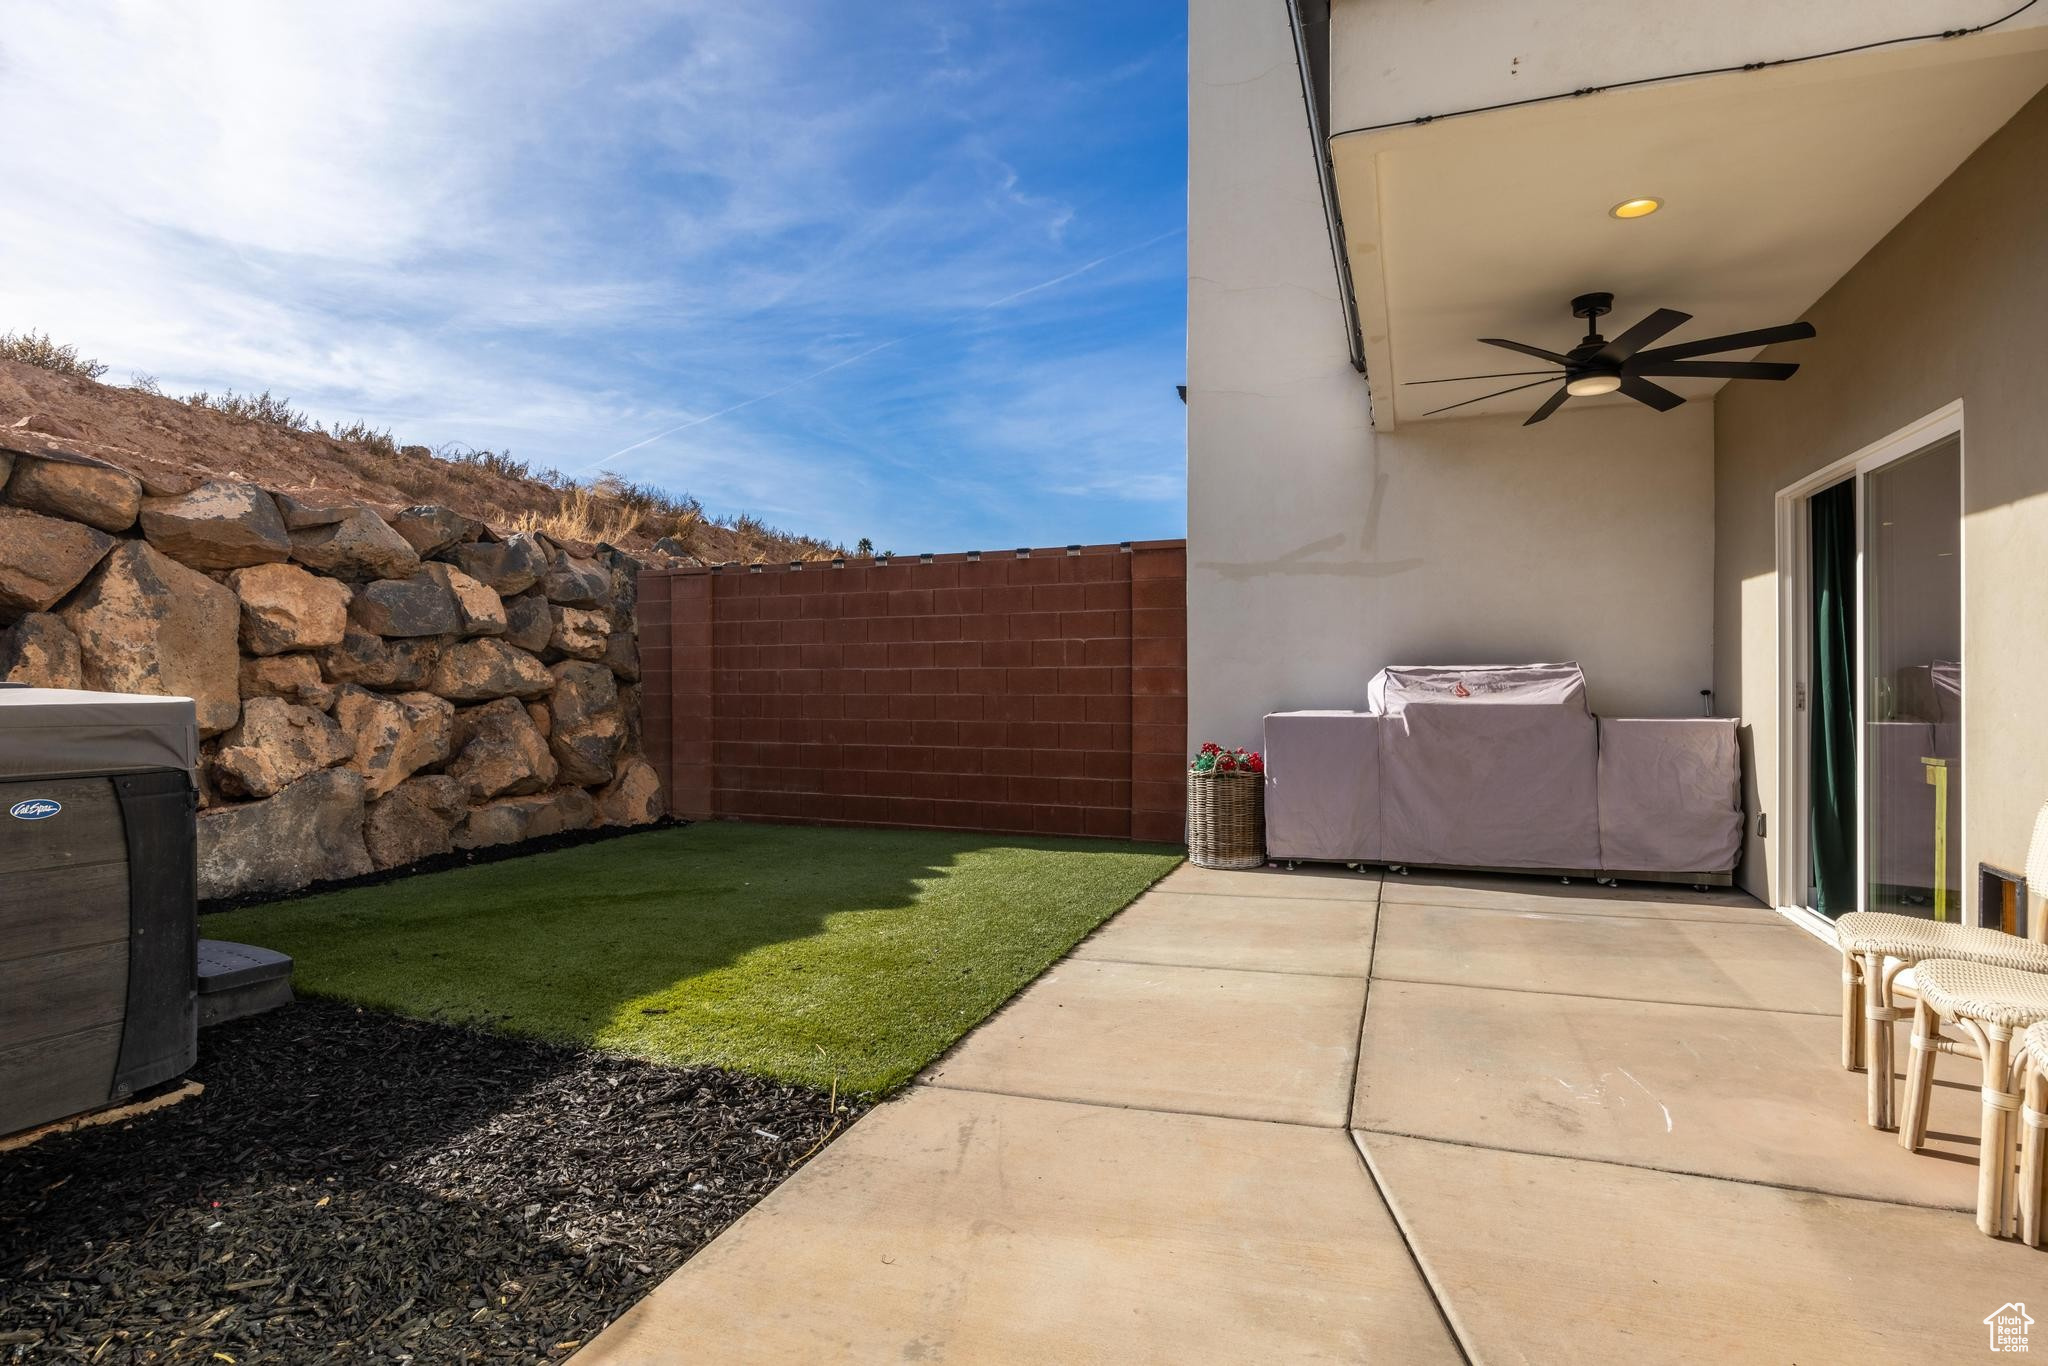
{"x": 813, "y": 955}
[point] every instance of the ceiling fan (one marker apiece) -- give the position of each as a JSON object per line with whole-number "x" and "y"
{"x": 1599, "y": 366}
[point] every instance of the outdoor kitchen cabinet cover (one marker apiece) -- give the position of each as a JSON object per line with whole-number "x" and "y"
{"x": 98, "y": 869}
{"x": 1488, "y": 767}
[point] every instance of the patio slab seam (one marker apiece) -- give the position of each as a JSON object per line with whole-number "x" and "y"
{"x": 1596, "y": 996}
{"x": 1445, "y": 1306}
{"x": 1743, "y": 922}
{"x": 1119, "y": 1105}
{"x": 1078, "y": 956}
{"x": 1359, "y": 1130}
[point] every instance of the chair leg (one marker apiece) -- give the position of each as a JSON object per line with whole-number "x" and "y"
{"x": 1852, "y": 1014}
{"x": 1877, "y": 1043}
{"x": 1919, "y": 1079}
{"x": 2031, "y": 1196}
{"x": 1994, "y": 1155}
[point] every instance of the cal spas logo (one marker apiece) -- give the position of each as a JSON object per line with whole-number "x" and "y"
{"x": 35, "y": 809}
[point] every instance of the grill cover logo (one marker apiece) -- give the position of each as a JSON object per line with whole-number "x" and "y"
{"x": 35, "y": 809}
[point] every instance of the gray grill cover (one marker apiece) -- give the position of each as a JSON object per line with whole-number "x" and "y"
{"x": 1323, "y": 786}
{"x": 1502, "y": 777}
{"x": 1392, "y": 689}
{"x": 1670, "y": 795}
{"x": 61, "y": 733}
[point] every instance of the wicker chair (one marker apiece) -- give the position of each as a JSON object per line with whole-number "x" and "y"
{"x": 1879, "y": 951}
{"x": 1989, "y": 1005}
{"x": 2030, "y": 1193}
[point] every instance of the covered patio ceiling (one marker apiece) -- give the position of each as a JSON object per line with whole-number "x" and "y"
{"x": 1774, "y": 183}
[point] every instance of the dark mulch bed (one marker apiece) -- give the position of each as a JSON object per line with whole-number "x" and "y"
{"x": 357, "y": 1187}
{"x": 460, "y": 858}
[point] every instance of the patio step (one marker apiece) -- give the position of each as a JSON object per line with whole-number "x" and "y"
{"x": 240, "y": 979}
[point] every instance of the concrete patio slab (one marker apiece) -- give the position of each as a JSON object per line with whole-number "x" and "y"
{"x": 1748, "y": 1095}
{"x": 1256, "y": 1045}
{"x": 1325, "y": 882}
{"x": 1266, "y": 934}
{"x": 1545, "y": 1259}
{"x": 962, "y": 1227}
{"x": 1581, "y": 897}
{"x": 1762, "y": 967}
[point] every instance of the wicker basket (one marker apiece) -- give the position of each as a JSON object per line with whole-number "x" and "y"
{"x": 1227, "y": 819}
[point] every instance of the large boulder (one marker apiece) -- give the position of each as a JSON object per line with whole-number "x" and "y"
{"x": 370, "y": 661}
{"x": 43, "y": 558}
{"x": 430, "y": 528}
{"x": 511, "y": 819}
{"x": 624, "y": 572}
{"x": 622, "y": 655}
{"x": 65, "y": 485}
{"x": 512, "y": 565}
{"x": 481, "y": 612}
{"x": 396, "y": 608}
{"x": 394, "y": 736}
{"x": 295, "y": 678}
{"x": 478, "y": 670}
{"x": 573, "y": 581}
{"x": 529, "y": 622}
{"x": 219, "y": 525}
{"x": 589, "y": 729}
{"x": 147, "y": 624}
{"x": 40, "y": 650}
{"x": 305, "y": 510}
{"x": 629, "y": 707}
{"x": 286, "y": 608}
{"x": 499, "y": 753}
{"x": 632, "y": 798}
{"x": 359, "y": 546}
{"x": 275, "y": 744}
{"x": 414, "y": 820}
{"x": 578, "y": 633}
{"x": 310, "y": 832}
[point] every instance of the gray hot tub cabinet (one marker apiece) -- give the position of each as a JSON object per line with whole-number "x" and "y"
{"x": 98, "y": 891}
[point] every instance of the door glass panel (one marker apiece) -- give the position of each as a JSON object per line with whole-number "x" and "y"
{"x": 1913, "y": 684}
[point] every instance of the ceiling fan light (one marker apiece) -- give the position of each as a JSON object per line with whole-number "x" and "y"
{"x": 1636, "y": 208}
{"x": 1591, "y": 386}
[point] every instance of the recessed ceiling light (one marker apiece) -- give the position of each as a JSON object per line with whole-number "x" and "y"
{"x": 1636, "y": 208}
{"x": 1588, "y": 386}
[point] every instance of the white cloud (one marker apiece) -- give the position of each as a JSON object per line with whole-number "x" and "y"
{"x": 567, "y": 228}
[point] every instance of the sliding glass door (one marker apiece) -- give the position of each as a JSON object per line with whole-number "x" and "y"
{"x": 1912, "y": 683}
{"x": 1871, "y": 653}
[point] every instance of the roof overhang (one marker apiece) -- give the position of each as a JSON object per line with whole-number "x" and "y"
{"x": 1774, "y": 183}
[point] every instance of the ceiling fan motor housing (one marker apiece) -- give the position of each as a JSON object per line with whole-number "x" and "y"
{"x": 1592, "y": 305}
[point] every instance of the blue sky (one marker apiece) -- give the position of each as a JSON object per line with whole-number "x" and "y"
{"x": 904, "y": 270}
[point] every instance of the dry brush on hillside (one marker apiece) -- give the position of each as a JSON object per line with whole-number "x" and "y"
{"x": 52, "y": 396}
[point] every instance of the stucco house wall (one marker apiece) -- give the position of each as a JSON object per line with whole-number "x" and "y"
{"x": 1953, "y": 304}
{"x": 1319, "y": 550}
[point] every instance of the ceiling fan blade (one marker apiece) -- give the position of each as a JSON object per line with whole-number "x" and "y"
{"x": 1641, "y": 335}
{"x": 1734, "y": 341}
{"x": 1527, "y": 350}
{"x": 1715, "y": 369}
{"x": 1460, "y": 379}
{"x": 1483, "y": 397}
{"x": 1656, "y": 395}
{"x": 1550, "y": 405}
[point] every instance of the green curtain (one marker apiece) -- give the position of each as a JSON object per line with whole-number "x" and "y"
{"x": 1833, "y": 701}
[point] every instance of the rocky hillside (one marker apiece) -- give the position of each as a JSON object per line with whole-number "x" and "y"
{"x": 172, "y": 445}
{"x": 372, "y": 687}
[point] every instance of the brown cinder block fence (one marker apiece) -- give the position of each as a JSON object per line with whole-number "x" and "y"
{"x": 1018, "y": 691}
